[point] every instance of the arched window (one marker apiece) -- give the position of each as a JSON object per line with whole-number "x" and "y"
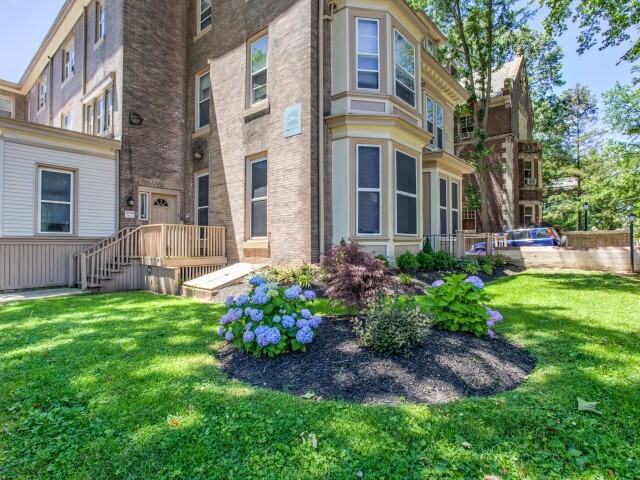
{"x": 161, "y": 202}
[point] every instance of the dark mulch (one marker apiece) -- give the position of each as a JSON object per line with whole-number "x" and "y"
{"x": 444, "y": 367}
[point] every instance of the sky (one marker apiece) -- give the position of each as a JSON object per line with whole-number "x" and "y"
{"x": 26, "y": 22}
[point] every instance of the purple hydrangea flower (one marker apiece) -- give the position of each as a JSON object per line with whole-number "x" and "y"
{"x": 235, "y": 313}
{"x": 256, "y": 315}
{"x": 293, "y": 293}
{"x": 229, "y": 301}
{"x": 309, "y": 295}
{"x": 263, "y": 339}
{"x": 220, "y": 331}
{"x": 288, "y": 321}
{"x": 229, "y": 336}
{"x": 248, "y": 326}
{"x": 242, "y": 300}
{"x": 227, "y": 318}
{"x": 304, "y": 335}
{"x": 248, "y": 337}
{"x": 315, "y": 321}
{"x": 491, "y": 333}
{"x": 475, "y": 281}
{"x": 247, "y": 311}
{"x": 496, "y": 316}
{"x": 257, "y": 280}
{"x": 277, "y": 318}
{"x": 490, "y": 323}
{"x": 306, "y": 314}
{"x": 437, "y": 283}
{"x": 302, "y": 323}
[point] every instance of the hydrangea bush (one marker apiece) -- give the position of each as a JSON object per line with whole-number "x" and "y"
{"x": 458, "y": 303}
{"x": 271, "y": 319}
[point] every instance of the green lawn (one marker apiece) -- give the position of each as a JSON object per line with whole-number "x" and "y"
{"x": 125, "y": 386}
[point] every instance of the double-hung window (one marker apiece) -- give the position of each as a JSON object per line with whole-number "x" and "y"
{"x": 6, "y": 107}
{"x": 368, "y": 195}
{"x": 405, "y": 66}
{"x": 89, "y": 119}
{"x": 430, "y": 116}
{"x": 528, "y": 171}
{"x": 42, "y": 94}
{"x": 202, "y": 199}
{"x": 434, "y": 119}
{"x": 259, "y": 62}
{"x": 100, "y": 115}
{"x": 204, "y": 99}
{"x": 406, "y": 194}
{"x": 108, "y": 98}
{"x": 100, "y": 20}
{"x": 466, "y": 127}
{"x": 368, "y": 52}
{"x": 55, "y": 209}
{"x": 444, "y": 206}
{"x": 205, "y": 14}
{"x": 455, "y": 208}
{"x": 439, "y": 127}
{"x": 528, "y": 215}
{"x": 68, "y": 61}
{"x": 258, "y": 198}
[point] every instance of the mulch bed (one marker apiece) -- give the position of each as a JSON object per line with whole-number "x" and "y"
{"x": 446, "y": 366}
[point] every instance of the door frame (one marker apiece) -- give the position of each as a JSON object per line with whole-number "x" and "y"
{"x": 163, "y": 191}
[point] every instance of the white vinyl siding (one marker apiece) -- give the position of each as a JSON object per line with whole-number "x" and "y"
{"x": 95, "y": 190}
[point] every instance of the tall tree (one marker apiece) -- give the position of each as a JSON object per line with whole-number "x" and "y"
{"x": 622, "y": 110}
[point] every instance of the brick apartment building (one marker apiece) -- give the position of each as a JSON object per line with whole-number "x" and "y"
{"x": 293, "y": 123}
{"x": 515, "y": 178}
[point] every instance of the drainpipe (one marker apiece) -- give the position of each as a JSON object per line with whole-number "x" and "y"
{"x": 117, "y": 190}
{"x": 84, "y": 55}
{"x": 321, "y": 18}
{"x": 50, "y": 93}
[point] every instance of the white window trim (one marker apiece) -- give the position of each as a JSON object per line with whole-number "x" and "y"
{"x": 90, "y": 118}
{"x": 100, "y": 117}
{"x": 143, "y": 206}
{"x": 406, "y": 194}
{"x": 68, "y": 65}
{"x": 378, "y": 190}
{"x": 525, "y": 169}
{"x": 439, "y": 127}
{"x": 533, "y": 214}
{"x": 108, "y": 109}
{"x": 13, "y": 105}
{"x": 395, "y": 63}
{"x": 252, "y": 74}
{"x": 67, "y": 114}
{"x": 454, "y": 228}
{"x": 445, "y": 208}
{"x": 377, "y": 55}
{"x": 199, "y": 101}
{"x": 71, "y": 201}
{"x": 201, "y": 19}
{"x": 101, "y": 21}
{"x": 42, "y": 95}
{"x": 197, "y": 195}
{"x": 257, "y": 199}
{"x": 428, "y": 99}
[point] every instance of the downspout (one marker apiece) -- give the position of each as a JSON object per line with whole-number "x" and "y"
{"x": 50, "y": 93}
{"x": 84, "y": 54}
{"x": 117, "y": 190}
{"x": 321, "y": 198}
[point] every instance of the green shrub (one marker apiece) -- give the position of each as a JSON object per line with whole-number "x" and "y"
{"x": 487, "y": 268}
{"x": 392, "y": 325}
{"x": 443, "y": 261}
{"x": 427, "y": 248}
{"x": 494, "y": 260}
{"x": 407, "y": 262}
{"x": 458, "y": 305}
{"x": 302, "y": 275}
{"x": 383, "y": 259}
{"x": 468, "y": 265}
{"x": 425, "y": 260}
{"x": 405, "y": 279}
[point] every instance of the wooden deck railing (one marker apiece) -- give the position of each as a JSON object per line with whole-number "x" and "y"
{"x": 159, "y": 242}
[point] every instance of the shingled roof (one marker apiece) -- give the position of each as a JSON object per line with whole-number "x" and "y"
{"x": 507, "y": 71}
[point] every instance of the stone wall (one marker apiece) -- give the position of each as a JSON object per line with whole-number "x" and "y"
{"x": 599, "y": 238}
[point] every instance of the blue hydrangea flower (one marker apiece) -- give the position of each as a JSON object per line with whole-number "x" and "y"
{"x": 294, "y": 315}
{"x": 492, "y": 334}
{"x": 256, "y": 315}
{"x": 490, "y": 323}
{"x": 496, "y": 316}
{"x": 260, "y": 299}
{"x": 235, "y": 313}
{"x": 220, "y": 331}
{"x": 247, "y": 311}
{"x": 306, "y": 314}
{"x": 261, "y": 329}
{"x": 229, "y": 301}
{"x": 309, "y": 295}
{"x": 437, "y": 283}
{"x": 293, "y": 293}
{"x": 302, "y": 323}
{"x": 304, "y": 335}
{"x": 274, "y": 336}
{"x": 475, "y": 281}
{"x": 257, "y": 280}
{"x": 263, "y": 339}
{"x": 277, "y": 318}
{"x": 227, "y": 318}
{"x": 248, "y": 337}
{"x": 242, "y": 300}
{"x": 315, "y": 322}
{"x": 229, "y": 336}
{"x": 288, "y": 321}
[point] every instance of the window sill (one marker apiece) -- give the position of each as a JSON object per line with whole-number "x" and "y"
{"x": 66, "y": 80}
{"x": 368, "y": 238}
{"x": 98, "y": 44}
{"x": 202, "y": 33}
{"x": 200, "y": 132}
{"x": 256, "y": 244}
{"x": 256, "y": 110}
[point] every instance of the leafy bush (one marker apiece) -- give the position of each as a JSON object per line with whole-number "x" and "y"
{"x": 468, "y": 265}
{"x": 292, "y": 275}
{"x": 487, "y": 268}
{"x": 407, "y": 262}
{"x": 270, "y": 320}
{"x": 383, "y": 259}
{"x": 353, "y": 275}
{"x": 426, "y": 260}
{"x": 494, "y": 260}
{"x": 392, "y": 325}
{"x": 405, "y": 279}
{"x": 427, "y": 248}
{"x": 443, "y": 261}
{"x": 457, "y": 304}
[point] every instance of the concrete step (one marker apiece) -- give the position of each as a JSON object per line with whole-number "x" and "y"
{"x": 207, "y": 286}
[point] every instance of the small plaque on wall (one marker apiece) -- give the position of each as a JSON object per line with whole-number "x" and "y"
{"x": 293, "y": 120}
{"x": 129, "y": 214}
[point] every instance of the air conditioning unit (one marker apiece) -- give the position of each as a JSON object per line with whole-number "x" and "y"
{"x": 531, "y": 181}
{"x": 465, "y": 135}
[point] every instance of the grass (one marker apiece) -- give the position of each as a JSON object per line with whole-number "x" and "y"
{"x": 125, "y": 386}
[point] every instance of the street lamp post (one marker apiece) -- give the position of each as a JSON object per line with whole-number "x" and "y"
{"x": 586, "y": 216}
{"x": 632, "y": 219}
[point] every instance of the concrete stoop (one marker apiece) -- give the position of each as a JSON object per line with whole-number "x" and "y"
{"x": 207, "y": 286}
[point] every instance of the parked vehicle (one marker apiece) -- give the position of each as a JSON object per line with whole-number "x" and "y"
{"x": 524, "y": 237}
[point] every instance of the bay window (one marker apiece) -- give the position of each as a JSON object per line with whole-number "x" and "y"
{"x": 405, "y": 63}
{"x": 259, "y": 62}
{"x": 258, "y": 198}
{"x": 444, "y": 206}
{"x": 406, "y": 194}
{"x": 368, "y": 194}
{"x": 455, "y": 208}
{"x": 55, "y": 201}
{"x": 439, "y": 127}
{"x": 368, "y": 53}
